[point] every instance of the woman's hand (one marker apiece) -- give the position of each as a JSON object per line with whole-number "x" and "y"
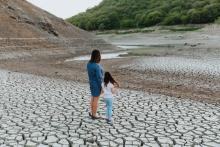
{"x": 102, "y": 93}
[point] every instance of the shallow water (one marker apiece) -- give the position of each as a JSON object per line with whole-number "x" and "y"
{"x": 129, "y": 46}
{"x": 104, "y": 57}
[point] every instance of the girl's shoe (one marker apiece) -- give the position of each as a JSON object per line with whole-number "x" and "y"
{"x": 109, "y": 121}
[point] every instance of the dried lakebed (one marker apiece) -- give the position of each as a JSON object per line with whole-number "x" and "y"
{"x": 40, "y": 111}
{"x": 209, "y": 67}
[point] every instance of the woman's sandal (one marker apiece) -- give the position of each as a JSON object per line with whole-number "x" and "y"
{"x": 93, "y": 117}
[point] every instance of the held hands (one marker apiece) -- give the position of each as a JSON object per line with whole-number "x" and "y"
{"x": 102, "y": 93}
{"x": 116, "y": 85}
{"x": 115, "y": 89}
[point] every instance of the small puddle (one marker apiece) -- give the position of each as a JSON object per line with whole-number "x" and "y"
{"x": 104, "y": 57}
{"x": 130, "y": 46}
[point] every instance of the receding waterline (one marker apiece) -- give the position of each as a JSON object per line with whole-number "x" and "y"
{"x": 130, "y": 46}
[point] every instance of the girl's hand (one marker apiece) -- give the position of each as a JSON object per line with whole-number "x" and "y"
{"x": 116, "y": 85}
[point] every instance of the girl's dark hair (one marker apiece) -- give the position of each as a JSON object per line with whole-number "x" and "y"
{"x": 108, "y": 78}
{"x": 95, "y": 56}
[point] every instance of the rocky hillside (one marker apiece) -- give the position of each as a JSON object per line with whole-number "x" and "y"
{"x": 24, "y": 25}
{"x": 20, "y": 19}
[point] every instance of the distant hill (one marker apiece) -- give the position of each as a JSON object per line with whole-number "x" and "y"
{"x": 123, "y": 14}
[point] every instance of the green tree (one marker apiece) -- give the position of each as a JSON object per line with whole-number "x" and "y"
{"x": 172, "y": 19}
{"x": 127, "y": 23}
{"x": 153, "y": 18}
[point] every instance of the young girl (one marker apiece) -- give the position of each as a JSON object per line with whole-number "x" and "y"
{"x": 109, "y": 89}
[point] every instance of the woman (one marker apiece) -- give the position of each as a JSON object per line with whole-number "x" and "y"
{"x": 95, "y": 73}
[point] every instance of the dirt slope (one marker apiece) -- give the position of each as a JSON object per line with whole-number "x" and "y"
{"x": 21, "y": 19}
{"x": 25, "y": 26}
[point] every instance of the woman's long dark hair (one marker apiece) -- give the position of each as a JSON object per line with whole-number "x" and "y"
{"x": 95, "y": 56}
{"x": 108, "y": 78}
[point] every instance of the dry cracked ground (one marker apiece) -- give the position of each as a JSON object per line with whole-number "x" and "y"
{"x": 40, "y": 111}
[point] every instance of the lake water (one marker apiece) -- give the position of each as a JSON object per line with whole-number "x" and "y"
{"x": 129, "y": 46}
{"x": 104, "y": 56}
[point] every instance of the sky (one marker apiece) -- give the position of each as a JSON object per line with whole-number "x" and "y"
{"x": 65, "y": 8}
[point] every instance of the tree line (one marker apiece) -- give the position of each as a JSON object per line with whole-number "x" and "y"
{"x": 125, "y": 14}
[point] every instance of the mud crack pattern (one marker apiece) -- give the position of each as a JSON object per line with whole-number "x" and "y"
{"x": 39, "y": 111}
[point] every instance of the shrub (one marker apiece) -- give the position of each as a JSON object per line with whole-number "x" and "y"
{"x": 153, "y": 18}
{"x": 194, "y": 16}
{"x": 101, "y": 27}
{"x": 172, "y": 19}
{"x": 217, "y": 21}
{"x": 139, "y": 19}
{"x": 200, "y": 16}
{"x": 214, "y": 10}
{"x": 127, "y": 23}
{"x": 185, "y": 19}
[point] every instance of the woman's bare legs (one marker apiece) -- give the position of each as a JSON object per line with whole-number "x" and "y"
{"x": 94, "y": 105}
